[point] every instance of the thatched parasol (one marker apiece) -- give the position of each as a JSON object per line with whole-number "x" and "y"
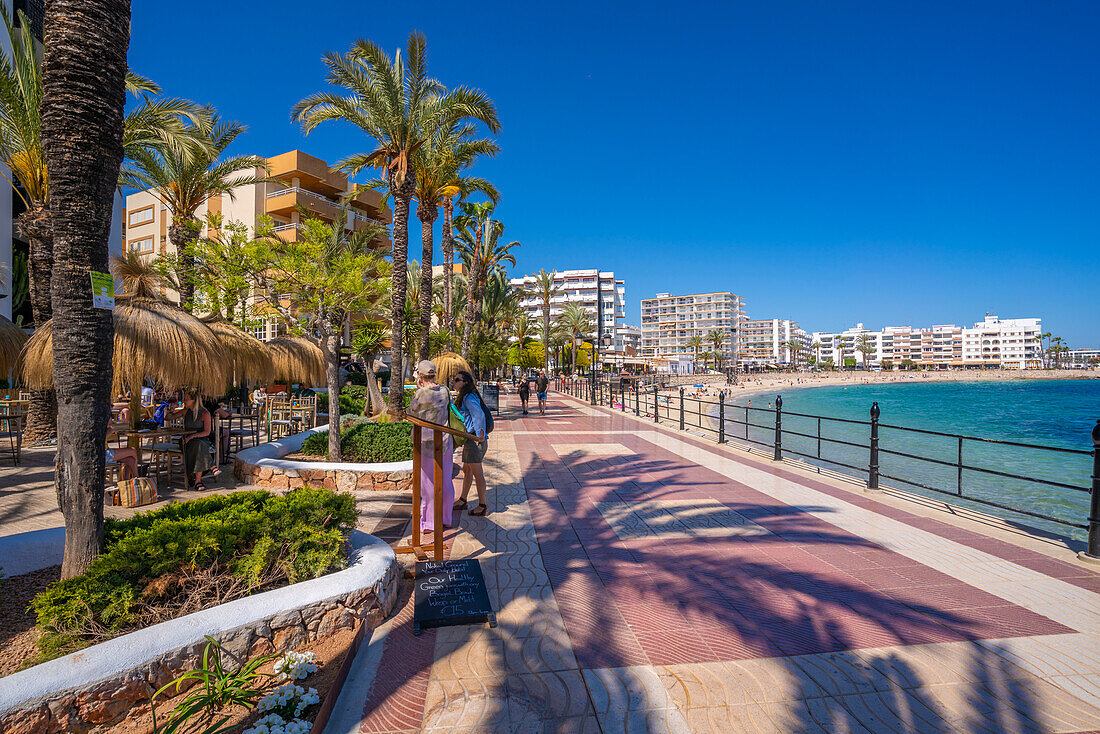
{"x": 248, "y": 359}
{"x": 153, "y": 338}
{"x": 12, "y": 339}
{"x": 447, "y": 365}
{"x": 297, "y": 360}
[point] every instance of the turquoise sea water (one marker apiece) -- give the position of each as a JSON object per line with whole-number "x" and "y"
{"x": 1057, "y": 413}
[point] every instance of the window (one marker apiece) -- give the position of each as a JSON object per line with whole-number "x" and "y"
{"x": 141, "y": 216}
{"x": 143, "y": 246}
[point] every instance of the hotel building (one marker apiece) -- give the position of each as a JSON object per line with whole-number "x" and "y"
{"x": 669, "y": 322}
{"x": 993, "y": 342}
{"x": 764, "y": 341}
{"x": 601, "y": 295}
{"x": 300, "y": 181}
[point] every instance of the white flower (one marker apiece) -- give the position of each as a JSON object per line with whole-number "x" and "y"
{"x": 270, "y": 724}
{"x": 296, "y": 665}
{"x": 297, "y": 726}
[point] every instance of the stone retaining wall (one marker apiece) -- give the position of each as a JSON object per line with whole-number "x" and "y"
{"x": 44, "y": 699}
{"x": 264, "y": 466}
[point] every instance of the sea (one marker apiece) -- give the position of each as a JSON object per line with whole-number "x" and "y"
{"x": 1059, "y": 414}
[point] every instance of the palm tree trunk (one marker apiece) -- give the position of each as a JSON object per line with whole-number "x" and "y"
{"x": 447, "y": 237}
{"x": 402, "y": 195}
{"x": 36, "y": 227}
{"x": 330, "y": 346}
{"x": 471, "y": 298}
{"x": 546, "y": 336}
{"x": 183, "y": 237}
{"x": 374, "y": 402}
{"x": 83, "y": 72}
{"x": 427, "y": 217}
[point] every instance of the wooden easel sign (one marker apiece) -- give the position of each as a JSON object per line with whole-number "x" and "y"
{"x": 450, "y": 593}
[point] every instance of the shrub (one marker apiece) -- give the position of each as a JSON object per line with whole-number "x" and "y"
{"x": 356, "y": 378}
{"x": 197, "y": 553}
{"x": 367, "y": 442}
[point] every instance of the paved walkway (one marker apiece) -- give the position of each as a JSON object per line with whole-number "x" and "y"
{"x": 646, "y": 580}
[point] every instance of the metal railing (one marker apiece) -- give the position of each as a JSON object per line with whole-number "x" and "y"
{"x": 963, "y": 467}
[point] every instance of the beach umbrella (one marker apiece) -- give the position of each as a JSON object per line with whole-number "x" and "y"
{"x": 153, "y": 338}
{"x": 297, "y": 360}
{"x": 447, "y": 365}
{"x": 12, "y": 339}
{"x": 248, "y": 359}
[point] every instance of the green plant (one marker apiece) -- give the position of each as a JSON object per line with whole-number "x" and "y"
{"x": 356, "y": 378}
{"x": 220, "y": 688}
{"x": 367, "y": 442}
{"x": 192, "y": 555}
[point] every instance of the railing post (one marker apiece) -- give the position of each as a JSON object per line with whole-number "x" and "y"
{"x": 622, "y": 396}
{"x": 746, "y": 423}
{"x": 656, "y": 408}
{"x": 959, "y": 470}
{"x": 872, "y": 468}
{"x": 637, "y": 405}
{"x": 778, "y": 428}
{"x": 681, "y": 408}
{"x": 722, "y": 416}
{"x": 819, "y": 438}
{"x": 1094, "y": 514}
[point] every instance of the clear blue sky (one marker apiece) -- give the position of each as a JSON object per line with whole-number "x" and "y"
{"x": 831, "y": 162}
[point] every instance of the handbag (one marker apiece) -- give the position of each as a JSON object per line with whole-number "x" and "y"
{"x": 135, "y": 492}
{"x": 454, "y": 420}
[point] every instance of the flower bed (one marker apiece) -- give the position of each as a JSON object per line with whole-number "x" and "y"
{"x": 271, "y": 465}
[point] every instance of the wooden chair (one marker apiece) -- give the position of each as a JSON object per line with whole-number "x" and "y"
{"x": 304, "y": 411}
{"x": 166, "y": 458}
{"x": 11, "y": 427}
{"x": 279, "y": 419}
{"x": 250, "y": 426}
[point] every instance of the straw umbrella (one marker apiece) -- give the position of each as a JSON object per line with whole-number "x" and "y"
{"x": 153, "y": 338}
{"x": 12, "y": 339}
{"x": 447, "y": 365}
{"x": 296, "y": 359}
{"x": 248, "y": 359}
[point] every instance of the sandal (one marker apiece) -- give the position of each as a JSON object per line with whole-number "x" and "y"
{"x": 198, "y": 486}
{"x": 461, "y": 504}
{"x": 479, "y": 511}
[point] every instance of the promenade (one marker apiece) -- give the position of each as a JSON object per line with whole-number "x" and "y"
{"x": 647, "y": 580}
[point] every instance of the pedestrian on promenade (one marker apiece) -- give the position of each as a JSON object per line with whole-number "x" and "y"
{"x": 524, "y": 392}
{"x": 469, "y": 404}
{"x": 541, "y": 385}
{"x": 431, "y": 402}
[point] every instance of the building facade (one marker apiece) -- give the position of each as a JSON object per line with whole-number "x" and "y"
{"x": 597, "y": 291}
{"x": 767, "y": 341}
{"x": 992, "y": 342}
{"x": 669, "y": 323}
{"x": 301, "y": 181}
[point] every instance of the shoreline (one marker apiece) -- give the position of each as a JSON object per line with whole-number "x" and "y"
{"x": 757, "y": 385}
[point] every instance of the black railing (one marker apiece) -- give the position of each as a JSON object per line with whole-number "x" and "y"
{"x": 962, "y": 467}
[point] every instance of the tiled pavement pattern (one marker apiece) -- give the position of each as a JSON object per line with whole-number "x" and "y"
{"x": 649, "y": 581}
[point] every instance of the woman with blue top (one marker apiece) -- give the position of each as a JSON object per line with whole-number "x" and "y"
{"x": 468, "y": 402}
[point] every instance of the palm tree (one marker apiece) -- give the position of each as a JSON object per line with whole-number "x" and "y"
{"x": 83, "y": 94}
{"x": 794, "y": 346}
{"x": 185, "y": 172}
{"x": 473, "y": 222}
{"x": 695, "y": 343}
{"x": 483, "y": 255}
{"x": 717, "y": 338}
{"x": 21, "y": 150}
{"x": 546, "y": 289}
{"x": 366, "y": 343}
{"x": 816, "y": 346}
{"x": 577, "y": 323}
{"x": 395, "y": 102}
{"x": 440, "y": 164}
{"x": 865, "y": 345}
{"x": 522, "y": 328}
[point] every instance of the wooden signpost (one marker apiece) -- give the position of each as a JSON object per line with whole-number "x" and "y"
{"x": 450, "y": 593}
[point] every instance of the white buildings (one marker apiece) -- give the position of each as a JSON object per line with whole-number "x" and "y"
{"x": 765, "y": 341}
{"x": 993, "y": 342}
{"x": 586, "y": 288}
{"x": 670, "y": 322}
{"x": 629, "y": 341}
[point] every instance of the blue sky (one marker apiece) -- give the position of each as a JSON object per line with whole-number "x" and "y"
{"x": 831, "y": 162}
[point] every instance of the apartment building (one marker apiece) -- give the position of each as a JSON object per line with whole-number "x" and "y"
{"x": 598, "y": 291}
{"x": 670, "y": 322}
{"x": 1083, "y": 357}
{"x": 301, "y": 181}
{"x": 765, "y": 341}
{"x": 630, "y": 341}
{"x": 993, "y": 342}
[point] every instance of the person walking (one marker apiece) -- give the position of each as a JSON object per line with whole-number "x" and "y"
{"x": 431, "y": 402}
{"x": 524, "y": 392}
{"x": 468, "y": 402}
{"x": 541, "y": 385}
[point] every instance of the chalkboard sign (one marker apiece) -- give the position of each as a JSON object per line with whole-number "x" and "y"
{"x": 490, "y": 394}
{"x": 449, "y": 593}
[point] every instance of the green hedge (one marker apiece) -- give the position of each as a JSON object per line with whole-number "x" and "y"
{"x": 261, "y": 538}
{"x": 367, "y": 442}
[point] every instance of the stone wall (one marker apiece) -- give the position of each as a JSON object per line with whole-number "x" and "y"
{"x": 103, "y": 703}
{"x": 343, "y": 480}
